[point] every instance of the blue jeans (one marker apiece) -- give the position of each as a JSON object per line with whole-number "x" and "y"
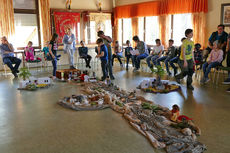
{"x": 9, "y": 61}
{"x": 160, "y": 59}
{"x": 207, "y": 67}
{"x": 174, "y": 60}
{"x": 137, "y": 59}
{"x": 127, "y": 60}
{"x": 54, "y": 63}
{"x": 154, "y": 59}
{"x": 104, "y": 65}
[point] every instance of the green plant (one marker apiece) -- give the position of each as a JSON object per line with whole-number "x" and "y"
{"x": 24, "y": 73}
{"x": 158, "y": 70}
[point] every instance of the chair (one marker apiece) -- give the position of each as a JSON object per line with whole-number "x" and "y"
{"x": 218, "y": 70}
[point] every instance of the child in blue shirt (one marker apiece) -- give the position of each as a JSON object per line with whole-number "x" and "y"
{"x": 128, "y": 54}
{"x": 103, "y": 55}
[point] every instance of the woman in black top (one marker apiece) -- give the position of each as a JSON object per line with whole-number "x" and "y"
{"x": 53, "y": 46}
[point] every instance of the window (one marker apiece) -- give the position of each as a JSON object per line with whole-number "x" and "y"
{"x": 127, "y": 30}
{"x": 141, "y": 28}
{"x": 181, "y": 22}
{"x": 108, "y": 28}
{"x": 151, "y": 30}
{"x": 120, "y": 30}
{"x": 26, "y": 23}
{"x": 92, "y": 32}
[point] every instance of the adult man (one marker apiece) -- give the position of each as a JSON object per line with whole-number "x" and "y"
{"x": 219, "y": 35}
{"x": 7, "y": 53}
{"x": 107, "y": 41}
{"x": 69, "y": 46}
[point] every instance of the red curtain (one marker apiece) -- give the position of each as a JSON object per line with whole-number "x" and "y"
{"x": 64, "y": 20}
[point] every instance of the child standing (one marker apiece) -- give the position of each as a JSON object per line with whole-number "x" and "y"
{"x": 186, "y": 60}
{"x": 128, "y": 54}
{"x": 215, "y": 59}
{"x": 29, "y": 52}
{"x": 103, "y": 55}
{"x": 53, "y": 47}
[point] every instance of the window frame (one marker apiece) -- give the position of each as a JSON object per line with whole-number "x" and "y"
{"x": 31, "y": 11}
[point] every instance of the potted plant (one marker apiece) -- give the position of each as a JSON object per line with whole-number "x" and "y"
{"x": 159, "y": 71}
{"x": 24, "y": 74}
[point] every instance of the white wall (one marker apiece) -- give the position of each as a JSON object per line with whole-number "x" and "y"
{"x": 83, "y": 4}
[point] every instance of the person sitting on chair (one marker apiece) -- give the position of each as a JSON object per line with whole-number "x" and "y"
{"x": 176, "y": 58}
{"x": 155, "y": 54}
{"x": 170, "y": 53}
{"x": 29, "y": 52}
{"x": 215, "y": 59}
{"x": 198, "y": 55}
{"x": 117, "y": 53}
{"x": 221, "y": 36}
{"x": 143, "y": 52}
{"x": 227, "y": 81}
{"x": 83, "y": 53}
{"x": 7, "y": 52}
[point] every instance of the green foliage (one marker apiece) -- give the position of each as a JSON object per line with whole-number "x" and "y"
{"x": 154, "y": 108}
{"x": 119, "y": 104}
{"x": 158, "y": 70}
{"x": 24, "y": 73}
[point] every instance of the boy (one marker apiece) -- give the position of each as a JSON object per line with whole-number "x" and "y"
{"x": 176, "y": 58}
{"x": 155, "y": 54}
{"x": 171, "y": 53}
{"x": 186, "y": 60}
{"x": 83, "y": 53}
{"x": 128, "y": 54}
{"x": 103, "y": 55}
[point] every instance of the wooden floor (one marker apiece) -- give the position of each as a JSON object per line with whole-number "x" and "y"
{"x": 33, "y": 122}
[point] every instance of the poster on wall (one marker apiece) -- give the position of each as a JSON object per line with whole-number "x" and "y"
{"x": 225, "y": 14}
{"x": 65, "y": 20}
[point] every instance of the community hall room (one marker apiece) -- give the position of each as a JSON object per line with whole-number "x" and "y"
{"x": 114, "y": 76}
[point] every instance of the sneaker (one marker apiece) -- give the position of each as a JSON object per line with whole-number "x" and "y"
{"x": 177, "y": 80}
{"x": 72, "y": 67}
{"x": 175, "y": 71}
{"x": 135, "y": 70}
{"x": 190, "y": 87}
{"x": 15, "y": 74}
{"x": 206, "y": 80}
{"x": 227, "y": 81}
{"x": 112, "y": 77}
{"x": 228, "y": 90}
{"x": 89, "y": 66}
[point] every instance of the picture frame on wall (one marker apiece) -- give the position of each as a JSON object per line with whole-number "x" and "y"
{"x": 225, "y": 14}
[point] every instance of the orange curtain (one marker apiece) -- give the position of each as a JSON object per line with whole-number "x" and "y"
{"x": 199, "y": 28}
{"x": 183, "y": 6}
{"x": 161, "y": 7}
{"x": 135, "y": 26}
{"x": 44, "y": 6}
{"x": 6, "y": 18}
{"x": 164, "y": 26}
{"x": 136, "y": 10}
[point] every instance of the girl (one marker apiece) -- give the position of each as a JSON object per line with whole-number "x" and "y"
{"x": 128, "y": 54}
{"x": 215, "y": 59}
{"x": 29, "y": 52}
{"x": 117, "y": 53}
{"x": 53, "y": 46}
